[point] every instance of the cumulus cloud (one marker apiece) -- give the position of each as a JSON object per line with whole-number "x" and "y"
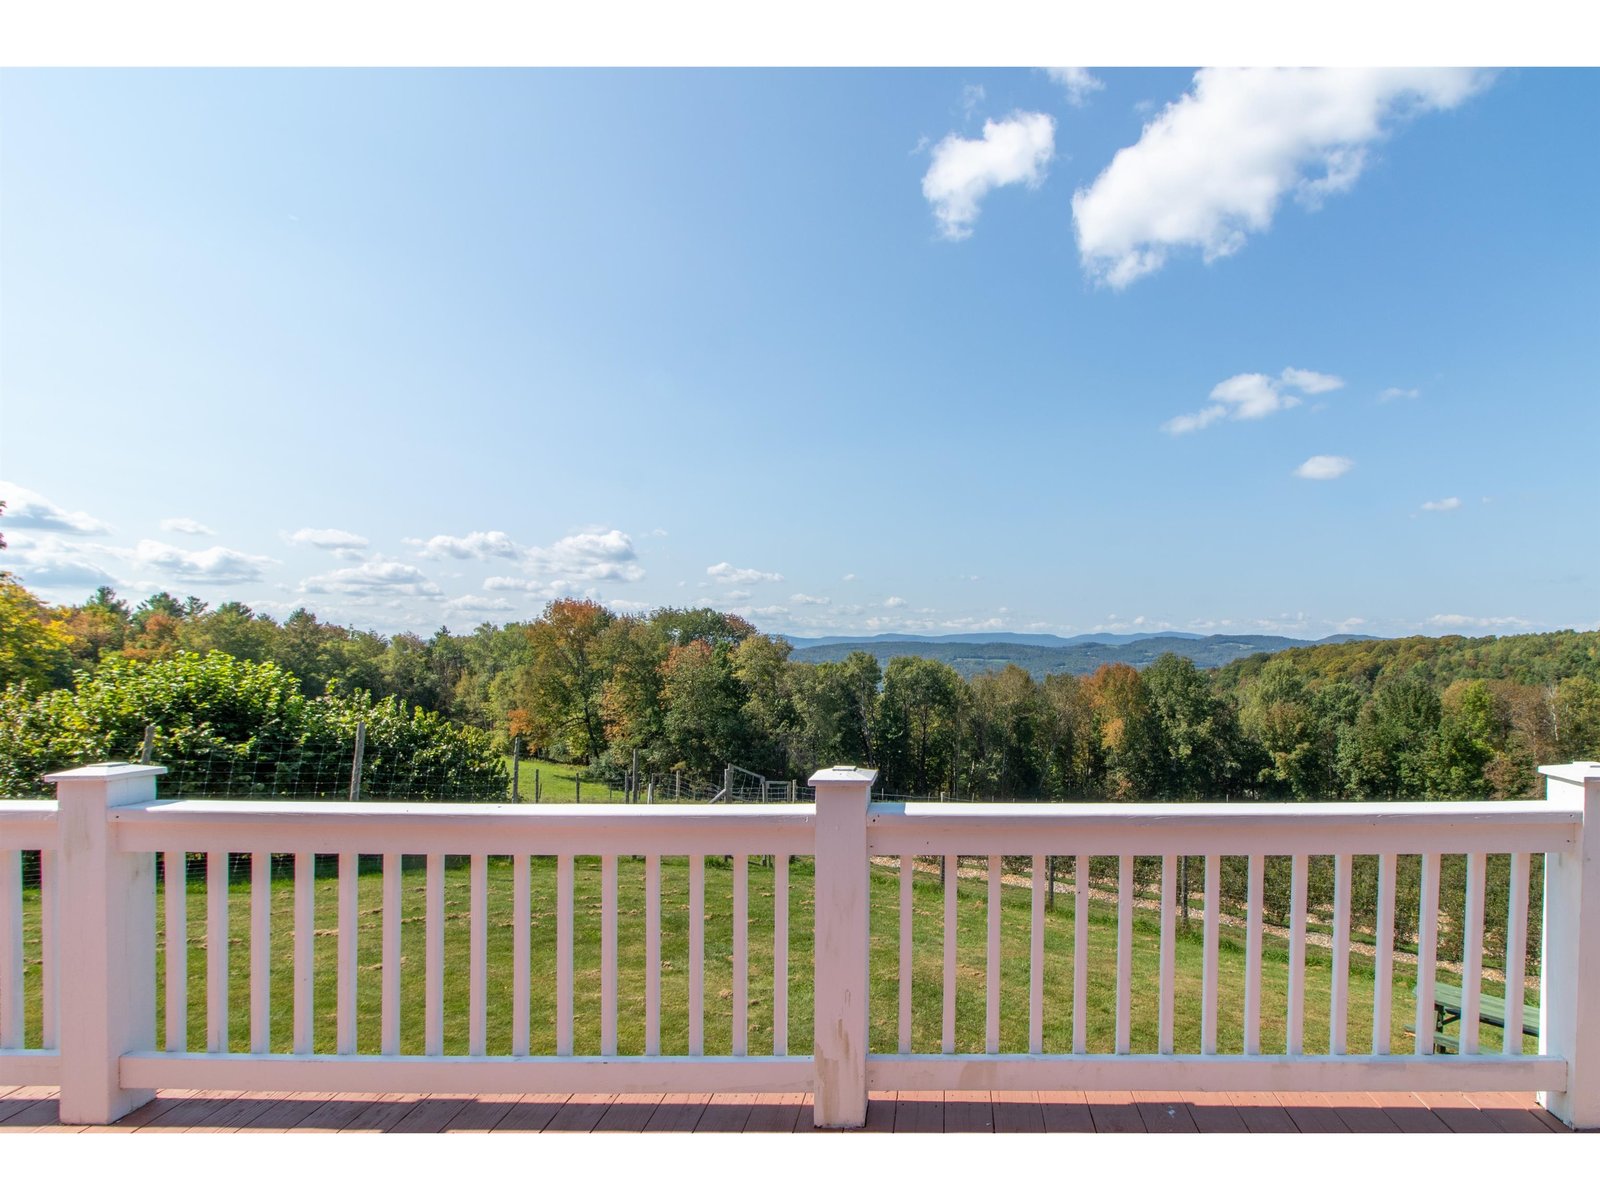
{"x": 507, "y": 583}
{"x": 1457, "y": 621}
{"x": 728, "y": 573}
{"x": 1253, "y": 396}
{"x": 1212, "y": 167}
{"x": 377, "y": 577}
{"x": 1398, "y": 393}
{"x": 27, "y": 509}
{"x": 216, "y": 565}
{"x": 607, "y": 555}
{"x": 187, "y": 525}
{"x": 469, "y": 605}
{"x": 53, "y": 562}
{"x": 1077, "y": 81}
{"x": 894, "y": 602}
{"x": 964, "y": 170}
{"x": 1324, "y": 466}
{"x": 340, "y": 541}
{"x": 492, "y": 544}
{"x": 802, "y": 598}
{"x": 1448, "y": 504}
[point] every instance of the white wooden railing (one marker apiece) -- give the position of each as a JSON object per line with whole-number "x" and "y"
{"x": 96, "y": 904}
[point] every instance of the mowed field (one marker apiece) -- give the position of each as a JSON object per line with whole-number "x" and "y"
{"x": 927, "y": 972}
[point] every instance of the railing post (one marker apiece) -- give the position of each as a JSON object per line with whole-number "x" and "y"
{"x": 1569, "y": 1021}
{"x": 107, "y": 942}
{"x": 841, "y": 948}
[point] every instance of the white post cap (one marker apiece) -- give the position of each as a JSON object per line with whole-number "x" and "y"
{"x": 111, "y": 770}
{"x": 1573, "y": 772}
{"x": 846, "y": 774}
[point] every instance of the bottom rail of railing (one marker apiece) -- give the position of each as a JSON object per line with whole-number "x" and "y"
{"x": 1215, "y": 1073}
{"x": 29, "y": 1068}
{"x": 462, "y": 1073}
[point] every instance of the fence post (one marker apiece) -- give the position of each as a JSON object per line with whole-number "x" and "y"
{"x": 1569, "y": 1026}
{"x": 106, "y": 940}
{"x": 839, "y": 1048}
{"x": 355, "y": 760}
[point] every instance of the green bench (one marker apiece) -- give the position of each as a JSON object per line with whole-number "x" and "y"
{"x": 1491, "y": 1011}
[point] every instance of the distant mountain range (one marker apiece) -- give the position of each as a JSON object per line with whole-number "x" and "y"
{"x": 1043, "y": 654}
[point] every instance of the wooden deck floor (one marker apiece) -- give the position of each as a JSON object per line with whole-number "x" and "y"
{"x": 33, "y": 1109}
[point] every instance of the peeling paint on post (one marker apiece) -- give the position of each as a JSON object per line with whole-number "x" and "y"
{"x": 841, "y": 947}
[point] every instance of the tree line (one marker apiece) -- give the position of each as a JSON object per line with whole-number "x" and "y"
{"x": 691, "y": 690}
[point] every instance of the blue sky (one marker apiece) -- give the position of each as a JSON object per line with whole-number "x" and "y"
{"x": 845, "y": 351}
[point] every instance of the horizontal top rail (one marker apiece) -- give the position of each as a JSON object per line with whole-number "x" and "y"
{"x": 1233, "y": 828}
{"x": 428, "y": 828}
{"x": 25, "y": 821}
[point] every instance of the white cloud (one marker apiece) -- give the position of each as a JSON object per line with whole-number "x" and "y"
{"x": 1448, "y": 504}
{"x": 850, "y": 578}
{"x": 1324, "y": 466}
{"x": 492, "y": 544}
{"x": 339, "y": 541}
{"x": 216, "y": 565}
{"x": 971, "y": 96}
{"x": 1080, "y": 85}
{"x": 1312, "y": 383}
{"x": 478, "y": 604}
{"x": 187, "y": 525}
{"x": 736, "y": 596}
{"x": 377, "y": 577}
{"x": 594, "y": 555}
{"x": 506, "y": 583}
{"x": 768, "y": 610}
{"x": 1398, "y": 393}
{"x": 728, "y": 573}
{"x": 1457, "y": 621}
{"x": 27, "y": 509}
{"x": 964, "y": 170}
{"x": 53, "y": 562}
{"x": 1253, "y": 396}
{"x": 894, "y": 602}
{"x": 1211, "y": 168}
{"x": 802, "y": 598}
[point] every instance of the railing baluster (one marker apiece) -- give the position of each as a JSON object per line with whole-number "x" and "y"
{"x": 564, "y": 954}
{"x": 260, "y": 952}
{"x": 1516, "y": 952}
{"x": 608, "y": 954}
{"x": 1041, "y": 881}
{"x": 433, "y": 959}
{"x": 947, "y": 1039}
{"x": 1294, "y": 1039}
{"x": 1339, "y": 986}
{"x": 1472, "y": 956}
{"x": 697, "y": 955}
{"x": 49, "y": 949}
{"x": 1383, "y": 957}
{"x": 1209, "y": 985}
{"x": 1252, "y": 958}
{"x": 907, "y": 867}
{"x": 652, "y": 954}
{"x": 1169, "y": 949}
{"x": 521, "y": 953}
{"x": 1124, "y": 952}
{"x": 349, "y": 918}
{"x": 991, "y": 1022}
{"x": 1080, "y": 954}
{"x": 478, "y": 957}
{"x": 741, "y": 954}
{"x": 305, "y": 874}
{"x": 390, "y": 1016}
{"x": 780, "y": 954}
{"x": 13, "y": 1004}
{"x": 217, "y": 952}
{"x": 177, "y": 915}
{"x": 1427, "y": 951}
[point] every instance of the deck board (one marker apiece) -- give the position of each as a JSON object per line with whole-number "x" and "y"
{"x": 29, "y": 1108}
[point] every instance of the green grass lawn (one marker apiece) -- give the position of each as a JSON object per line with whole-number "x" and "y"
{"x": 926, "y": 980}
{"x": 557, "y": 782}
